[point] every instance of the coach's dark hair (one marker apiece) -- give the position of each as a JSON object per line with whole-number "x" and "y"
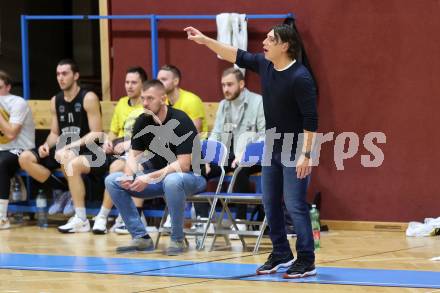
{"x": 73, "y": 65}
{"x": 176, "y": 72}
{"x": 301, "y": 56}
{"x": 139, "y": 70}
{"x": 235, "y": 71}
{"x": 152, "y": 83}
{"x": 287, "y": 34}
{"x": 5, "y": 77}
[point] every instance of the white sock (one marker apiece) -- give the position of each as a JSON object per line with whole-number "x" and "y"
{"x": 81, "y": 213}
{"x": 103, "y": 212}
{"x": 4, "y": 208}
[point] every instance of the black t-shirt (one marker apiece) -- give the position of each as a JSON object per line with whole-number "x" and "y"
{"x": 289, "y": 96}
{"x": 174, "y": 137}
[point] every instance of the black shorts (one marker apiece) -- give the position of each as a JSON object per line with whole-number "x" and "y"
{"x": 96, "y": 167}
{"x": 49, "y": 162}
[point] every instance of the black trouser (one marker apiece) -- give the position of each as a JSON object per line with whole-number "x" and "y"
{"x": 242, "y": 185}
{"x": 8, "y": 167}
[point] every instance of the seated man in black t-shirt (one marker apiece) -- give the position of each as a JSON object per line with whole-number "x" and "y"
{"x": 168, "y": 135}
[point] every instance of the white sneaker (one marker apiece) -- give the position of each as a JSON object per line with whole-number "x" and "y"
{"x": 435, "y": 222}
{"x": 4, "y": 224}
{"x": 75, "y": 225}
{"x": 118, "y": 223}
{"x": 167, "y": 223}
{"x": 151, "y": 229}
{"x": 122, "y": 229}
{"x": 241, "y": 227}
{"x": 211, "y": 229}
{"x": 200, "y": 227}
{"x": 100, "y": 225}
{"x": 144, "y": 220}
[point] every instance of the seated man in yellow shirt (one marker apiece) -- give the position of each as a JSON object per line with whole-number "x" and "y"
{"x": 181, "y": 99}
{"x": 126, "y": 111}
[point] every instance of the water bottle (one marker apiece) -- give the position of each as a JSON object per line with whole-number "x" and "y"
{"x": 193, "y": 211}
{"x": 17, "y": 197}
{"x": 314, "y": 217}
{"x": 16, "y": 191}
{"x": 188, "y": 211}
{"x": 199, "y": 230}
{"x": 41, "y": 209}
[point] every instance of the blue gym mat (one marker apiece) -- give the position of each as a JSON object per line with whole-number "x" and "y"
{"x": 208, "y": 270}
{"x": 100, "y": 265}
{"x": 215, "y": 270}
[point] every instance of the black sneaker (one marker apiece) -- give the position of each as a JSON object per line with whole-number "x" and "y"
{"x": 301, "y": 268}
{"x": 274, "y": 262}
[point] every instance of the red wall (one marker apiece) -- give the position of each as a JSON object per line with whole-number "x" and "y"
{"x": 377, "y": 64}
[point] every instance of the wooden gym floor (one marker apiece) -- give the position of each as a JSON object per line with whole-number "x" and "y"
{"x": 340, "y": 249}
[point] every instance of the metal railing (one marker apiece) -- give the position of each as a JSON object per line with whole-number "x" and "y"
{"x": 154, "y": 34}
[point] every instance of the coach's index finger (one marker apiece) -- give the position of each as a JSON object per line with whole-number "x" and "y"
{"x": 189, "y": 30}
{"x": 188, "y": 33}
{"x": 192, "y": 32}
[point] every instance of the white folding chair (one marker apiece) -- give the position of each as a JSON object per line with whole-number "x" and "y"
{"x": 252, "y": 156}
{"x": 213, "y": 152}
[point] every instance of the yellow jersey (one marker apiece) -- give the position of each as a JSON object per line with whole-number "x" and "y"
{"x": 122, "y": 111}
{"x": 192, "y": 105}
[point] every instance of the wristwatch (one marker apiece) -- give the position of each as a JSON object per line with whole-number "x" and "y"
{"x": 306, "y": 154}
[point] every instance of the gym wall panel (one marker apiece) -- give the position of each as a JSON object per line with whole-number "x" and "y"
{"x": 377, "y": 65}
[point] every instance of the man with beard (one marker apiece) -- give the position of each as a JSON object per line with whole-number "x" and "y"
{"x": 239, "y": 120}
{"x": 183, "y": 100}
{"x": 173, "y": 178}
{"x": 76, "y": 125}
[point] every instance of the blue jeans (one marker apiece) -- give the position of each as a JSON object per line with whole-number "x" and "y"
{"x": 279, "y": 180}
{"x": 175, "y": 187}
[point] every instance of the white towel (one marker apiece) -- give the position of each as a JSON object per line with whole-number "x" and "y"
{"x": 430, "y": 227}
{"x": 232, "y": 30}
{"x": 224, "y": 30}
{"x": 239, "y": 30}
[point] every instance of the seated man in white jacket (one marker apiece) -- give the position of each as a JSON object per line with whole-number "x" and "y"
{"x": 17, "y": 133}
{"x": 239, "y": 120}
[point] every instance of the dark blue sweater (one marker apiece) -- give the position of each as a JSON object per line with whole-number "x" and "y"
{"x": 289, "y": 96}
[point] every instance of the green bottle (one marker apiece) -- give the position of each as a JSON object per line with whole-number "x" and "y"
{"x": 316, "y": 228}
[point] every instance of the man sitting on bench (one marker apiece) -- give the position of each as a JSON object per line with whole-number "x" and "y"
{"x": 118, "y": 142}
{"x": 17, "y": 133}
{"x": 76, "y": 125}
